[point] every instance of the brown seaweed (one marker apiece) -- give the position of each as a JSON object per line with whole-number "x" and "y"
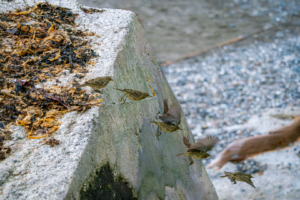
{"x": 36, "y": 45}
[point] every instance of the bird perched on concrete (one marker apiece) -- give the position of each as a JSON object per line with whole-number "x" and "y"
{"x": 239, "y": 176}
{"x": 133, "y": 95}
{"x": 97, "y": 83}
{"x": 199, "y": 149}
{"x": 171, "y": 118}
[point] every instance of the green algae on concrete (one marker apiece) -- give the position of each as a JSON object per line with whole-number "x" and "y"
{"x": 103, "y": 185}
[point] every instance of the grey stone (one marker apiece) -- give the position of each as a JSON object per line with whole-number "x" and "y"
{"x": 118, "y": 136}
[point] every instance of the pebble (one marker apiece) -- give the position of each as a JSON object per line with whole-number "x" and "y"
{"x": 250, "y": 166}
{"x": 279, "y": 34}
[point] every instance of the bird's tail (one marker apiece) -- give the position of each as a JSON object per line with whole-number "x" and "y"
{"x": 180, "y": 154}
{"x": 119, "y": 89}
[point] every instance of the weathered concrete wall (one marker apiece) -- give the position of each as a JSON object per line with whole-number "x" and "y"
{"x": 111, "y": 150}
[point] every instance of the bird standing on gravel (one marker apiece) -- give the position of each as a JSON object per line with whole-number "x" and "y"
{"x": 239, "y": 176}
{"x": 133, "y": 95}
{"x": 98, "y": 83}
{"x": 199, "y": 149}
{"x": 171, "y": 118}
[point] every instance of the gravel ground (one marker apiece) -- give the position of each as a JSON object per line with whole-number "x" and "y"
{"x": 228, "y": 86}
{"x": 241, "y": 91}
{"x": 176, "y": 28}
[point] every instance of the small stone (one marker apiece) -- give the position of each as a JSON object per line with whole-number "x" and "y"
{"x": 279, "y": 34}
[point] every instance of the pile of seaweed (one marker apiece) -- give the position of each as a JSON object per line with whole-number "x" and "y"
{"x": 36, "y": 45}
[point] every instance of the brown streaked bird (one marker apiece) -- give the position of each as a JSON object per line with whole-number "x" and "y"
{"x": 133, "y": 95}
{"x": 97, "y": 83}
{"x": 173, "y": 115}
{"x": 171, "y": 118}
{"x": 199, "y": 149}
{"x": 239, "y": 176}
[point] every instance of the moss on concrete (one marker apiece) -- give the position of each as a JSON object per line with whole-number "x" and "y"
{"x": 103, "y": 185}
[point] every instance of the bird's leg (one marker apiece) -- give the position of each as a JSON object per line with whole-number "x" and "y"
{"x": 121, "y": 99}
{"x": 158, "y": 113}
{"x": 158, "y": 133}
{"x": 191, "y": 161}
{"x": 125, "y": 98}
{"x": 84, "y": 108}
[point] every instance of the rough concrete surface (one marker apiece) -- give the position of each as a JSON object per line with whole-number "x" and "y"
{"x": 114, "y": 135}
